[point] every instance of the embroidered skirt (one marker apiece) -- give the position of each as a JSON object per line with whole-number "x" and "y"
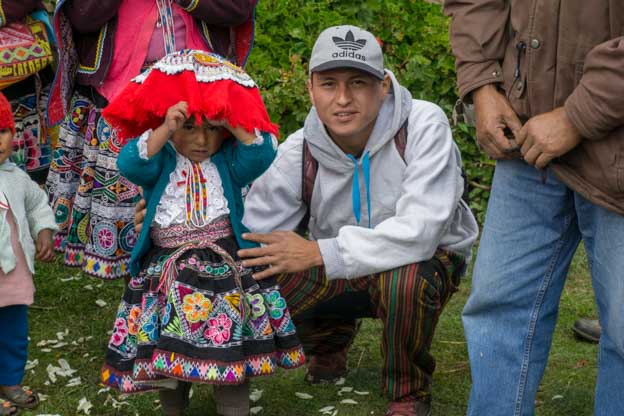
{"x": 33, "y": 140}
{"x": 93, "y": 204}
{"x": 213, "y": 323}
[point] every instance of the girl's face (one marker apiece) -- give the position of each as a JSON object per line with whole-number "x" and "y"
{"x": 6, "y": 144}
{"x": 198, "y": 143}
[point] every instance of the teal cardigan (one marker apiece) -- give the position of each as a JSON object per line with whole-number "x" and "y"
{"x": 238, "y": 165}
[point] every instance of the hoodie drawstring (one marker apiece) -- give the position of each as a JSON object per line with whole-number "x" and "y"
{"x": 355, "y": 189}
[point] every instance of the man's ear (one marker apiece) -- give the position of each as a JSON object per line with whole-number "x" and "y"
{"x": 310, "y": 93}
{"x": 386, "y": 84}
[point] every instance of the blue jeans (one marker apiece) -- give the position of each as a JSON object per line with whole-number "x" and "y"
{"x": 13, "y": 344}
{"x": 531, "y": 232}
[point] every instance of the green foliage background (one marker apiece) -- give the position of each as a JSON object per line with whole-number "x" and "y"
{"x": 416, "y": 47}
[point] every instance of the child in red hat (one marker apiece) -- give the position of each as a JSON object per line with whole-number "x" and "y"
{"x": 192, "y": 313}
{"x": 23, "y": 206}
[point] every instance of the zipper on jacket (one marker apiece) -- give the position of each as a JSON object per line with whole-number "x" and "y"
{"x": 520, "y": 47}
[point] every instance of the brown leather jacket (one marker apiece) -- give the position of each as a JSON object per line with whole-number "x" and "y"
{"x": 546, "y": 54}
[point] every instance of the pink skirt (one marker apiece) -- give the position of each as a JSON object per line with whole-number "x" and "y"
{"x": 16, "y": 287}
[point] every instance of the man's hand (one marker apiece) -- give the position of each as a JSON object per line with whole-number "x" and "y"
{"x": 283, "y": 251}
{"x": 139, "y": 215}
{"x": 494, "y": 113}
{"x": 45, "y": 246}
{"x": 547, "y": 136}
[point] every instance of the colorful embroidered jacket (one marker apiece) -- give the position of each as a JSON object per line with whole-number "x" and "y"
{"x": 226, "y": 25}
{"x": 13, "y": 11}
{"x": 238, "y": 165}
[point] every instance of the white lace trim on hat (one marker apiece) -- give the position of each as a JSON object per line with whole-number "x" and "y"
{"x": 207, "y": 67}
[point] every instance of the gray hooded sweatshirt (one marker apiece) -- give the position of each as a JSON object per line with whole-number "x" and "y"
{"x": 415, "y": 205}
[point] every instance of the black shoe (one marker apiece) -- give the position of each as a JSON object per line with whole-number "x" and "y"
{"x": 587, "y": 329}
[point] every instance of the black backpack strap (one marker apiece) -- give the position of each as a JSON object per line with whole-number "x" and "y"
{"x": 309, "y": 169}
{"x": 400, "y": 140}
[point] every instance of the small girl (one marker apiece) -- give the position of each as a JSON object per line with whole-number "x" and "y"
{"x": 191, "y": 312}
{"x": 25, "y": 216}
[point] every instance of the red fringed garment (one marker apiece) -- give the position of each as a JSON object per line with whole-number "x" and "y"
{"x": 213, "y": 88}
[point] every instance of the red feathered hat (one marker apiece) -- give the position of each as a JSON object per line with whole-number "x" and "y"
{"x": 212, "y": 86}
{"x": 6, "y": 114}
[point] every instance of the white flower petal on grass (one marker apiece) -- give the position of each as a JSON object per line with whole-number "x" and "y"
{"x": 45, "y": 350}
{"x": 31, "y": 364}
{"x": 255, "y": 410}
{"x": 348, "y": 401}
{"x": 361, "y": 393}
{"x": 345, "y": 390}
{"x": 103, "y": 390}
{"x": 191, "y": 393}
{"x": 304, "y": 396}
{"x": 59, "y": 345}
{"x": 67, "y": 370}
{"x": 43, "y": 397}
{"x": 340, "y": 381}
{"x": 327, "y": 410}
{"x": 557, "y": 397}
{"x": 115, "y": 404}
{"x": 84, "y": 406}
{"x": 52, "y": 371}
{"x": 100, "y": 303}
{"x": 88, "y": 287}
{"x": 255, "y": 395}
{"x": 74, "y": 382}
{"x": 60, "y": 336}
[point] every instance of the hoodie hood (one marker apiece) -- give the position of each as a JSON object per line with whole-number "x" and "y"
{"x": 392, "y": 114}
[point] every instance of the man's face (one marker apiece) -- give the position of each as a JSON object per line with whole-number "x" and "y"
{"x": 347, "y": 102}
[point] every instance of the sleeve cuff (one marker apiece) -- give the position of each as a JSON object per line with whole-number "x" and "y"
{"x": 578, "y": 110}
{"x": 142, "y": 144}
{"x": 334, "y": 264}
{"x": 475, "y": 75}
{"x": 261, "y": 137}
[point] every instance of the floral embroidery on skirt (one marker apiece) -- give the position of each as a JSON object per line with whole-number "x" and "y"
{"x": 196, "y": 332}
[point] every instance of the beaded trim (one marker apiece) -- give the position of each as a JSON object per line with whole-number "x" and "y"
{"x": 98, "y": 54}
{"x": 208, "y": 67}
{"x": 192, "y": 6}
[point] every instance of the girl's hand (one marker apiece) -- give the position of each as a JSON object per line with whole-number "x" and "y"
{"x": 240, "y": 133}
{"x": 45, "y": 247}
{"x": 176, "y": 115}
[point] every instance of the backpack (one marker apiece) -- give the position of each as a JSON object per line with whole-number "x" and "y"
{"x": 309, "y": 170}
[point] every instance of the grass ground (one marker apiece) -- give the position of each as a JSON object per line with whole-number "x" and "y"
{"x": 69, "y": 307}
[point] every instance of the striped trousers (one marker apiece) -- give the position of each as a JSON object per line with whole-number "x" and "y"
{"x": 408, "y": 300}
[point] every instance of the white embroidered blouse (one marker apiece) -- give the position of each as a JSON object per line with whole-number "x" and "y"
{"x": 171, "y": 209}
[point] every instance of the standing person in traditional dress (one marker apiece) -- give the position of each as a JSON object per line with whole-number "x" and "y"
{"x": 192, "y": 313}
{"x": 26, "y": 228}
{"x": 104, "y": 44}
{"x": 28, "y": 91}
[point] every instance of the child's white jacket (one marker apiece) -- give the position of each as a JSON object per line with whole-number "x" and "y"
{"x": 29, "y": 205}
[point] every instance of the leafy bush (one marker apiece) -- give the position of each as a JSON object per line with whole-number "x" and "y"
{"x": 416, "y": 48}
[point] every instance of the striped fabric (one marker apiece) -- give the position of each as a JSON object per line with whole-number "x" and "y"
{"x": 409, "y": 301}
